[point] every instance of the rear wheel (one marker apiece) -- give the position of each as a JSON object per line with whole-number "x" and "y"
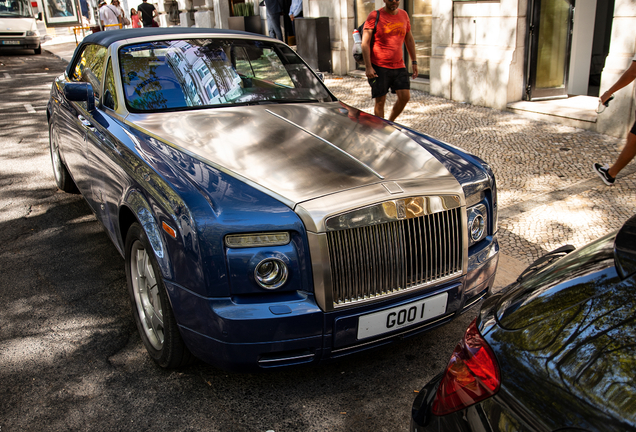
{"x": 151, "y": 307}
{"x": 63, "y": 179}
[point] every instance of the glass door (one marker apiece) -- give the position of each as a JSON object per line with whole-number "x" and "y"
{"x": 362, "y": 9}
{"x": 421, "y": 16}
{"x": 549, "y": 43}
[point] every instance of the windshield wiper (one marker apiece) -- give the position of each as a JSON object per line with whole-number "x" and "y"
{"x": 270, "y": 102}
{"x": 298, "y": 100}
{"x": 284, "y": 101}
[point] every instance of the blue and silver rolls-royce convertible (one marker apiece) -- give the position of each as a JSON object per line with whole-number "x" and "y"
{"x": 263, "y": 222}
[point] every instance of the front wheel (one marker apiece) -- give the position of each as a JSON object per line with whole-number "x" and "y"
{"x": 151, "y": 307}
{"x": 38, "y": 50}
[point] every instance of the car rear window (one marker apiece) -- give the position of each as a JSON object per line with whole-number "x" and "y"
{"x": 181, "y": 74}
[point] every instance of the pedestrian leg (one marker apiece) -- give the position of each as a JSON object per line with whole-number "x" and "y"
{"x": 379, "y": 106}
{"x": 625, "y": 157}
{"x": 273, "y": 24}
{"x": 403, "y": 97}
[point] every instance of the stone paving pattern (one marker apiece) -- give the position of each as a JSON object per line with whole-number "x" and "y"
{"x": 548, "y": 194}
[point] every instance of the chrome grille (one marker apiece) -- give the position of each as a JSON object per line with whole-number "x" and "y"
{"x": 379, "y": 260}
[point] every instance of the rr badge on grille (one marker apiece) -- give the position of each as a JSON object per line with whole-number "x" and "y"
{"x": 401, "y": 209}
{"x": 409, "y": 208}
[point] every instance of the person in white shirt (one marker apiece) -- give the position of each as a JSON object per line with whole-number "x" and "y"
{"x": 107, "y": 16}
{"x": 116, "y": 7}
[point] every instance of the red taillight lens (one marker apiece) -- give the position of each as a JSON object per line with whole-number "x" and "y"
{"x": 472, "y": 374}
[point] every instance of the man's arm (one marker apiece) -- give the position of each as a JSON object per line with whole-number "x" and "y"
{"x": 294, "y": 10}
{"x": 628, "y": 76}
{"x": 366, "y": 53}
{"x": 410, "y": 47}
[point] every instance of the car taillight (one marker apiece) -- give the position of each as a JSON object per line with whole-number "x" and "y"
{"x": 472, "y": 374}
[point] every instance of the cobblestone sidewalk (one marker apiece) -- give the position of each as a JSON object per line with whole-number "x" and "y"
{"x": 548, "y": 194}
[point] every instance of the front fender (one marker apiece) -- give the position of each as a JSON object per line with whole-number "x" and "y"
{"x": 142, "y": 210}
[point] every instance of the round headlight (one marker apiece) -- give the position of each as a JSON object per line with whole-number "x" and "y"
{"x": 271, "y": 273}
{"x": 476, "y": 225}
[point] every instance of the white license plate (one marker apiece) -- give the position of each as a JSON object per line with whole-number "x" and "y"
{"x": 401, "y": 316}
{"x": 11, "y": 42}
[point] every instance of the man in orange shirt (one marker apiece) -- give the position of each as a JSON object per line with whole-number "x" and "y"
{"x": 384, "y": 63}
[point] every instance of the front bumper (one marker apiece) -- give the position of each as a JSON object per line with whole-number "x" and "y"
{"x": 28, "y": 42}
{"x": 253, "y": 333}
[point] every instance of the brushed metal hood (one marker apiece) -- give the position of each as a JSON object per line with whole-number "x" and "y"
{"x": 300, "y": 152}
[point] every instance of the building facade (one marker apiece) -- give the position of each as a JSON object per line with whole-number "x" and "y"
{"x": 495, "y": 52}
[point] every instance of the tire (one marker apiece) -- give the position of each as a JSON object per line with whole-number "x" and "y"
{"x": 150, "y": 304}
{"x": 63, "y": 179}
{"x": 38, "y": 50}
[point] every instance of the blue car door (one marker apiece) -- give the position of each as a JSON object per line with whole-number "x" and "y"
{"x": 75, "y": 121}
{"x": 69, "y": 127}
{"x": 106, "y": 160}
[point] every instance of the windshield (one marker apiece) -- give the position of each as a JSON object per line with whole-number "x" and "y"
{"x": 15, "y": 8}
{"x": 182, "y": 74}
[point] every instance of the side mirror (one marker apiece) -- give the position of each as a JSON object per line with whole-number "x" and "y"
{"x": 39, "y": 18}
{"x": 80, "y": 92}
{"x": 321, "y": 76}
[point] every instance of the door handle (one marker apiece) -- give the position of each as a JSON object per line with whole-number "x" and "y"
{"x": 86, "y": 123}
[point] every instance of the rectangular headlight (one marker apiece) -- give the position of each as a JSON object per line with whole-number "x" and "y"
{"x": 257, "y": 239}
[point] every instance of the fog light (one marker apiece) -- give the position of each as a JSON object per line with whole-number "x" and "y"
{"x": 271, "y": 273}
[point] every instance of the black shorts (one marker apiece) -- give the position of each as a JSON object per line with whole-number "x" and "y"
{"x": 393, "y": 79}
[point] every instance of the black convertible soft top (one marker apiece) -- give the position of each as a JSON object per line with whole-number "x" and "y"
{"x": 106, "y": 38}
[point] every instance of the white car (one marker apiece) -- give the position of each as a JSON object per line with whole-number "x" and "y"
{"x": 18, "y": 27}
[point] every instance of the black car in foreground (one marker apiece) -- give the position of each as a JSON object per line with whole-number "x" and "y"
{"x": 554, "y": 351}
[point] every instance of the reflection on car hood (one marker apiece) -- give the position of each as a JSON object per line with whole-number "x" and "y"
{"x": 569, "y": 348}
{"x": 298, "y": 151}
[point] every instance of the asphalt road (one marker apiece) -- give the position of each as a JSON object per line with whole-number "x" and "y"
{"x": 70, "y": 356}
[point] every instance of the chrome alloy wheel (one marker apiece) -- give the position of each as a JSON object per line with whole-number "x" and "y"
{"x": 146, "y": 293}
{"x": 55, "y": 159}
